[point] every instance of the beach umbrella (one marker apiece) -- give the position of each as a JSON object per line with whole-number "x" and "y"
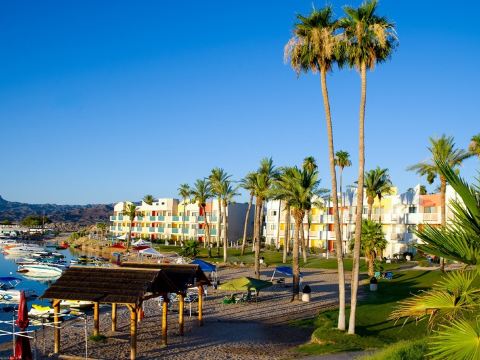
{"x": 244, "y": 283}
{"x": 22, "y": 343}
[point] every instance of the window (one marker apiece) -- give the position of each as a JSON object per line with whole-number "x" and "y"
{"x": 412, "y": 209}
{"x": 430, "y": 209}
{"x": 273, "y": 226}
{"x": 273, "y": 212}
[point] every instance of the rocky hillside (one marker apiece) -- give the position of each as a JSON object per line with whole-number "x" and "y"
{"x": 82, "y": 214}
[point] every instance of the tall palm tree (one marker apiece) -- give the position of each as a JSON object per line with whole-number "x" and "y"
{"x": 148, "y": 199}
{"x": 441, "y": 149}
{"x": 474, "y": 146}
{"x": 301, "y": 187}
{"x": 368, "y": 39}
{"x": 201, "y": 192}
{"x": 184, "y": 192}
{"x": 452, "y": 306}
{"x": 342, "y": 160}
{"x": 227, "y": 193}
{"x": 264, "y": 179}
{"x": 377, "y": 184}
{"x": 129, "y": 210}
{"x": 313, "y": 48}
{"x": 217, "y": 177}
{"x": 248, "y": 183}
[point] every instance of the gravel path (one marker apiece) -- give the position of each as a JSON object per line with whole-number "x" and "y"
{"x": 258, "y": 330}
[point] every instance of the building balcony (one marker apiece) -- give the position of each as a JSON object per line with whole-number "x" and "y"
{"x": 160, "y": 230}
{"x": 200, "y": 218}
{"x": 201, "y": 231}
{"x": 175, "y": 231}
{"x": 151, "y": 229}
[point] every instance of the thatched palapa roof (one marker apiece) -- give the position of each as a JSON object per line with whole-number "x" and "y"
{"x": 129, "y": 284}
{"x": 109, "y": 285}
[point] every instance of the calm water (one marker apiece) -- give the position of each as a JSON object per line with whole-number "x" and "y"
{"x": 8, "y": 267}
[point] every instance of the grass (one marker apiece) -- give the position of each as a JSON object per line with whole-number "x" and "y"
{"x": 373, "y": 329}
{"x": 272, "y": 258}
{"x": 408, "y": 349}
{"x": 97, "y": 338}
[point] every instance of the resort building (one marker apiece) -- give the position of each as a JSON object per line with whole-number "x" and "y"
{"x": 400, "y": 215}
{"x": 174, "y": 220}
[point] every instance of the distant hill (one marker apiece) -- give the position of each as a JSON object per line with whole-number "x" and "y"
{"x": 81, "y": 214}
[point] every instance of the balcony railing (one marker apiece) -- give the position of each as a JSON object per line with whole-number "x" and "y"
{"x": 160, "y": 229}
{"x": 200, "y": 218}
{"x": 201, "y": 232}
{"x": 151, "y": 229}
{"x": 174, "y": 230}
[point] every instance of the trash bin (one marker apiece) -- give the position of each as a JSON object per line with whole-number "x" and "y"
{"x": 373, "y": 284}
{"x": 306, "y": 292}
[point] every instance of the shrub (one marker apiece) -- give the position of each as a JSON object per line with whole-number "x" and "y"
{"x": 411, "y": 350}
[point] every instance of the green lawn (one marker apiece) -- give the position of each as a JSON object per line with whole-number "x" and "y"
{"x": 373, "y": 328}
{"x": 272, "y": 258}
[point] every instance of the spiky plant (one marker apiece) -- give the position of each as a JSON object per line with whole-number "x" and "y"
{"x": 452, "y": 306}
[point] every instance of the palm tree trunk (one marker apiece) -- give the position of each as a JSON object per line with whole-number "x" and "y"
{"x": 370, "y": 208}
{"x": 358, "y": 222}
{"x": 443, "y": 211}
{"x": 219, "y": 223}
{"x": 258, "y": 206}
{"x": 183, "y": 223}
{"x": 245, "y": 225}
{"x": 286, "y": 235}
{"x": 207, "y": 232}
{"x": 302, "y": 243}
{"x": 225, "y": 238}
{"x": 295, "y": 265}
{"x": 341, "y": 202}
{"x": 333, "y": 176}
{"x": 277, "y": 245}
{"x": 129, "y": 238}
{"x": 371, "y": 265}
{"x": 309, "y": 225}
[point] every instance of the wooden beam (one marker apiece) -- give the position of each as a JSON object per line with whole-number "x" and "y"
{"x": 114, "y": 317}
{"x": 96, "y": 322}
{"x": 133, "y": 332}
{"x": 200, "y": 305}
{"x": 164, "y": 320}
{"x": 56, "y": 327}
{"x": 181, "y": 305}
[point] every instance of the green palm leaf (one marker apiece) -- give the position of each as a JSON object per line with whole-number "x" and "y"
{"x": 458, "y": 340}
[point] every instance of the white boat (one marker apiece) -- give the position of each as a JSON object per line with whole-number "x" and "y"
{"x": 22, "y": 249}
{"x": 8, "y": 293}
{"x": 5, "y": 242}
{"x": 77, "y": 304}
{"x": 41, "y": 270}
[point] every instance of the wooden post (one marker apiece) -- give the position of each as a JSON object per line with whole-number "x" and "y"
{"x": 133, "y": 332}
{"x": 114, "y": 317}
{"x": 56, "y": 327}
{"x": 96, "y": 322}
{"x": 200, "y": 305}
{"x": 180, "y": 313}
{"x": 164, "y": 320}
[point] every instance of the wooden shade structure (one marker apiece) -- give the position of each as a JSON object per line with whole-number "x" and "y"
{"x": 129, "y": 285}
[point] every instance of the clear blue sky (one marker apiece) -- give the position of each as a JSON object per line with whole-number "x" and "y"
{"x": 105, "y": 101}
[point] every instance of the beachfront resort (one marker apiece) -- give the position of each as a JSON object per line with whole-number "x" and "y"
{"x": 236, "y": 198}
{"x": 401, "y": 215}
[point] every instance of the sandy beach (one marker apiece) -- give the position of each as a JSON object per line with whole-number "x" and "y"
{"x": 256, "y": 330}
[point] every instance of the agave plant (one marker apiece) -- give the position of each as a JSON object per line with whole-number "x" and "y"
{"x": 452, "y": 306}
